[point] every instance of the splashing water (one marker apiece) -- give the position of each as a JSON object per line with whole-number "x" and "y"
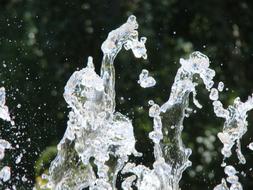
{"x": 4, "y": 110}
{"x": 95, "y": 132}
{"x": 98, "y": 140}
{"x": 235, "y": 125}
{"x": 234, "y": 128}
{"x": 173, "y": 111}
{"x": 171, "y": 157}
{"x": 5, "y": 172}
{"x": 232, "y": 179}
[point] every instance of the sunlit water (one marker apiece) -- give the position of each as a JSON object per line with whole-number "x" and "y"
{"x": 96, "y": 133}
{"x": 99, "y": 140}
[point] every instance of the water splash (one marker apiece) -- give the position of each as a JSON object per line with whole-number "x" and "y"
{"x": 96, "y": 133}
{"x": 98, "y": 140}
{"x": 5, "y": 172}
{"x": 235, "y": 126}
{"x": 171, "y": 156}
{"x": 232, "y": 179}
{"x": 127, "y": 36}
{"x": 4, "y": 110}
{"x": 174, "y": 110}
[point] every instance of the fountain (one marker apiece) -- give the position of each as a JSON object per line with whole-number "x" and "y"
{"x": 95, "y": 131}
{"x": 99, "y": 140}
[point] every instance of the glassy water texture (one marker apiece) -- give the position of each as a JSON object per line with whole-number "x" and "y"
{"x": 96, "y": 133}
{"x": 99, "y": 140}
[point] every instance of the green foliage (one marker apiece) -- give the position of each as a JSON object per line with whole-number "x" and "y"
{"x": 42, "y": 164}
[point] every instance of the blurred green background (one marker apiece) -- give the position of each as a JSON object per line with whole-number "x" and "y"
{"x": 42, "y": 42}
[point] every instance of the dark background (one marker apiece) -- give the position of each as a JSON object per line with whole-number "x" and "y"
{"x": 42, "y": 42}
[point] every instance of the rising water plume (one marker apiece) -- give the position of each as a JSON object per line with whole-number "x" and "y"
{"x": 98, "y": 140}
{"x": 95, "y": 132}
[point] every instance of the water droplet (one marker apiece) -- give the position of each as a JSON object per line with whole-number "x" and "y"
{"x": 151, "y": 102}
{"x": 230, "y": 170}
{"x": 145, "y": 80}
{"x": 214, "y": 94}
{"x": 220, "y": 86}
{"x": 250, "y": 146}
{"x": 5, "y": 173}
